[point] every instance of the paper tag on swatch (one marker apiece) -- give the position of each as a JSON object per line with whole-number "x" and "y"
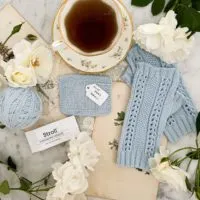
{"x": 96, "y": 94}
{"x": 52, "y": 134}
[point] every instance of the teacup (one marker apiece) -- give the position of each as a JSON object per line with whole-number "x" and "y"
{"x": 78, "y": 35}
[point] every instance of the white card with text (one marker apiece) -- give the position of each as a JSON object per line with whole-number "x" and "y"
{"x": 52, "y": 134}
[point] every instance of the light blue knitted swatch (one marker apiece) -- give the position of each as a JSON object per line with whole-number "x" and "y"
{"x": 159, "y": 104}
{"x": 73, "y": 99}
{"x": 19, "y": 108}
{"x": 183, "y": 117}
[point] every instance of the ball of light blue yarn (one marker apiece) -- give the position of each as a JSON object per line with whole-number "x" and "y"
{"x": 19, "y": 107}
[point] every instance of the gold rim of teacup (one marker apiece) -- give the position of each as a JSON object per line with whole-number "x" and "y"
{"x": 104, "y": 69}
{"x": 80, "y": 52}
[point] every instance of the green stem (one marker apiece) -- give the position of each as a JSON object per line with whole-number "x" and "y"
{"x": 37, "y": 196}
{"x": 37, "y": 186}
{"x": 185, "y": 148}
{"x": 197, "y": 144}
{"x": 190, "y": 35}
{"x": 44, "y": 94}
{"x": 31, "y": 190}
{"x": 188, "y": 165}
{"x": 42, "y": 179}
{"x": 180, "y": 161}
{"x": 41, "y": 190}
{"x": 7, "y": 39}
{"x": 175, "y": 4}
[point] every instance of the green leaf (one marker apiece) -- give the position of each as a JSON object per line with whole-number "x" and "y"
{"x": 198, "y": 195}
{"x": 198, "y": 123}
{"x": 17, "y": 28}
{"x": 120, "y": 116}
{"x": 188, "y": 184}
{"x": 11, "y": 164}
{"x": 188, "y": 17}
{"x": 170, "y": 5}
{"x": 164, "y": 159}
{"x": 25, "y": 184}
{"x": 196, "y": 4}
{"x": 141, "y": 3}
{"x": 2, "y": 126}
{"x": 31, "y": 37}
{"x": 157, "y": 7}
{"x": 4, "y": 187}
{"x": 185, "y": 2}
{"x": 194, "y": 155}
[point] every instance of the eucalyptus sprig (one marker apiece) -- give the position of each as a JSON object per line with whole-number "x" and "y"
{"x": 187, "y": 11}
{"x": 31, "y": 188}
{"x": 120, "y": 119}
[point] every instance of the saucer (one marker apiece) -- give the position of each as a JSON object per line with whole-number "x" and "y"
{"x": 101, "y": 62}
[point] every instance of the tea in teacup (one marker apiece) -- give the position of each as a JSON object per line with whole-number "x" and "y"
{"x": 90, "y": 26}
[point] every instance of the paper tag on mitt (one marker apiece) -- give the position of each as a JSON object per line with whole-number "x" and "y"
{"x": 96, "y": 94}
{"x": 52, "y": 134}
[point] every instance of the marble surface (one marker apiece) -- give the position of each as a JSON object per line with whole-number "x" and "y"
{"x": 40, "y": 14}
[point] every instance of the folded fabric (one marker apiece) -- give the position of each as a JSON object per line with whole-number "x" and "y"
{"x": 73, "y": 99}
{"x": 159, "y": 104}
{"x": 183, "y": 117}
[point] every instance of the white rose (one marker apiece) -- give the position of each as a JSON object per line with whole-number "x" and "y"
{"x": 42, "y": 62}
{"x": 84, "y": 148}
{"x": 22, "y": 52}
{"x": 148, "y": 36}
{"x": 165, "y": 40}
{"x": 35, "y": 55}
{"x": 70, "y": 180}
{"x": 52, "y": 196}
{"x": 169, "y": 20}
{"x": 166, "y": 173}
{"x": 19, "y": 76}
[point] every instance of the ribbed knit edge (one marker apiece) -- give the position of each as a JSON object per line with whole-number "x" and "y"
{"x": 133, "y": 159}
{"x": 183, "y": 125}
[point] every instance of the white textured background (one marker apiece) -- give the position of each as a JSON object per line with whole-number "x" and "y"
{"x": 40, "y": 14}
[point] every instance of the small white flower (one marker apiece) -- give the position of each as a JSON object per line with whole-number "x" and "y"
{"x": 70, "y": 180}
{"x": 164, "y": 39}
{"x": 166, "y": 173}
{"x": 84, "y": 148}
{"x": 20, "y": 76}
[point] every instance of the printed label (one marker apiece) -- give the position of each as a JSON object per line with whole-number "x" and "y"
{"x": 52, "y": 134}
{"x": 96, "y": 94}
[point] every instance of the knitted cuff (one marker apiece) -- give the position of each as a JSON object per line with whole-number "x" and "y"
{"x": 136, "y": 54}
{"x": 149, "y": 107}
{"x": 183, "y": 120}
{"x": 179, "y": 124}
{"x": 134, "y": 159}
